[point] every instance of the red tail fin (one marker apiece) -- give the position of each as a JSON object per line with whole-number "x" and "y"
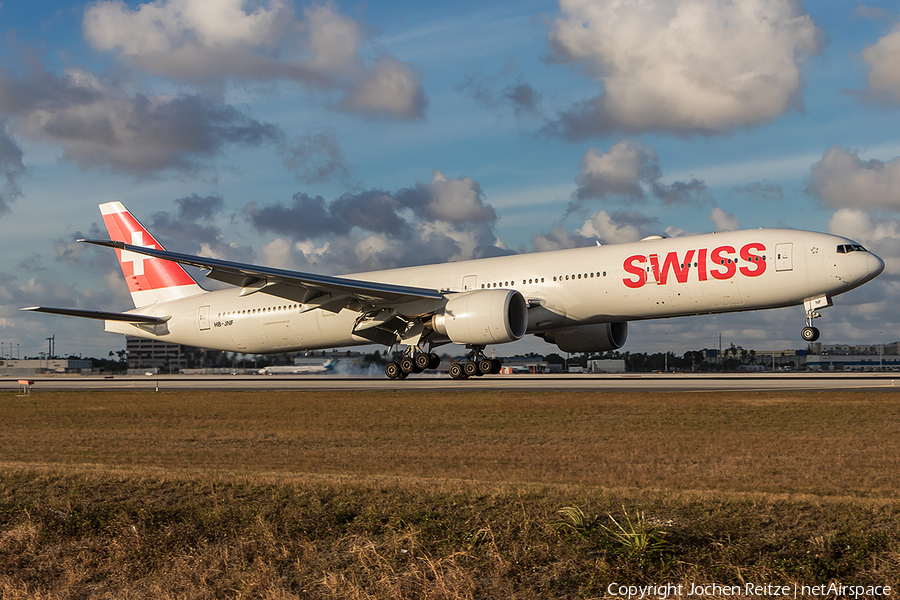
{"x": 150, "y": 280}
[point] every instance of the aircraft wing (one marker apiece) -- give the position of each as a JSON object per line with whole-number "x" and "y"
{"x": 315, "y": 291}
{"x": 99, "y": 314}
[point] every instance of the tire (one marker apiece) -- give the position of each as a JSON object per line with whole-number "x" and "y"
{"x": 407, "y": 365}
{"x": 485, "y": 366}
{"x": 471, "y": 369}
{"x": 392, "y": 370}
{"x": 457, "y": 372}
{"x": 423, "y": 361}
{"x": 434, "y": 361}
{"x": 496, "y": 365}
{"x": 809, "y": 334}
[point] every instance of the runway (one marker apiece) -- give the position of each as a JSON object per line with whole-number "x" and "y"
{"x": 686, "y": 382}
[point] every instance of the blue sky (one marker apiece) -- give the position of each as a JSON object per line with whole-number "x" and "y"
{"x": 340, "y": 137}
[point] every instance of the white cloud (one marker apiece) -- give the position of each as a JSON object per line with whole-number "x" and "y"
{"x": 842, "y": 179}
{"x": 390, "y": 90}
{"x": 883, "y": 59}
{"x": 556, "y": 239}
{"x": 605, "y": 227}
{"x": 277, "y": 253}
{"x": 684, "y": 66}
{"x": 620, "y": 171}
{"x": 629, "y": 172}
{"x": 208, "y": 41}
{"x": 161, "y": 27}
{"x": 723, "y": 221}
{"x": 456, "y": 200}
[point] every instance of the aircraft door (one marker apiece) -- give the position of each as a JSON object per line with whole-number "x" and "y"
{"x": 469, "y": 282}
{"x": 203, "y": 317}
{"x": 784, "y": 256}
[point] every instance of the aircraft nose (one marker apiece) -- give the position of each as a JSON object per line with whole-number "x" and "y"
{"x": 876, "y": 266}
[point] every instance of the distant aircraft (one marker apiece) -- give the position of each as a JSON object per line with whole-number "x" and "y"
{"x": 325, "y": 367}
{"x": 580, "y": 299}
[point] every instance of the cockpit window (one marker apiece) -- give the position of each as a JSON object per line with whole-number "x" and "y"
{"x": 847, "y": 248}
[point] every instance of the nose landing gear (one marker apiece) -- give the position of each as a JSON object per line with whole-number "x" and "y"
{"x": 810, "y": 333}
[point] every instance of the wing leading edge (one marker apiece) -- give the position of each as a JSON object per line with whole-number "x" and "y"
{"x": 313, "y": 290}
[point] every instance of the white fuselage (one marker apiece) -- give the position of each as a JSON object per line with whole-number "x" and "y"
{"x": 655, "y": 278}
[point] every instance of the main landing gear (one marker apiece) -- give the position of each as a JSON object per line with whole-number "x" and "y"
{"x": 476, "y": 365}
{"x": 413, "y": 362}
{"x": 416, "y": 361}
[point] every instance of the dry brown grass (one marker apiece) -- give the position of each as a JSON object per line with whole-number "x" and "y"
{"x": 407, "y": 495}
{"x": 813, "y": 442}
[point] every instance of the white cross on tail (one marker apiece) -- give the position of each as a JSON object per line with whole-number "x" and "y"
{"x": 136, "y": 260}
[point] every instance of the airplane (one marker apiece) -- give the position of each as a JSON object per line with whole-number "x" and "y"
{"x": 325, "y": 367}
{"x": 579, "y": 299}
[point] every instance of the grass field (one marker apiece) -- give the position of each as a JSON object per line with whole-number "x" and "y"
{"x": 451, "y": 495}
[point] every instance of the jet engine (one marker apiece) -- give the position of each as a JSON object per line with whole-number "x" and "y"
{"x": 589, "y": 338}
{"x": 483, "y": 317}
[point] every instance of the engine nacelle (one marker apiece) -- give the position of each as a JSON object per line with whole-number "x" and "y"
{"x": 483, "y": 317}
{"x": 589, "y": 338}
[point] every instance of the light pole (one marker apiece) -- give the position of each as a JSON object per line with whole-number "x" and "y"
{"x": 666, "y": 354}
{"x": 774, "y": 333}
{"x": 881, "y": 350}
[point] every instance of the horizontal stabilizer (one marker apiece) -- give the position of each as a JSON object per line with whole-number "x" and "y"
{"x": 101, "y": 315}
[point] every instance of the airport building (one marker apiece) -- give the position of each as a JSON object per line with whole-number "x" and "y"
{"x": 819, "y": 348}
{"x": 782, "y": 359}
{"x": 853, "y": 362}
{"x": 155, "y": 356}
{"x": 12, "y": 367}
{"x": 528, "y": 364}
{"x": 844, "y": 357}
{"x": 606, "y": 365}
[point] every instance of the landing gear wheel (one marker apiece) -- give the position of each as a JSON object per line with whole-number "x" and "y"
{"x": 496, "y": 366}
{"x": 457, "y": 372}
{"x": 407, "y": 365}
{"x": 423, "y": 361}
{"x": 485, "y": 366}
{"x": 434, "y": 361}
{"x": 471, "y": 369}
{"x": 392, "y": 370}
{"x": 809, "y": 334}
